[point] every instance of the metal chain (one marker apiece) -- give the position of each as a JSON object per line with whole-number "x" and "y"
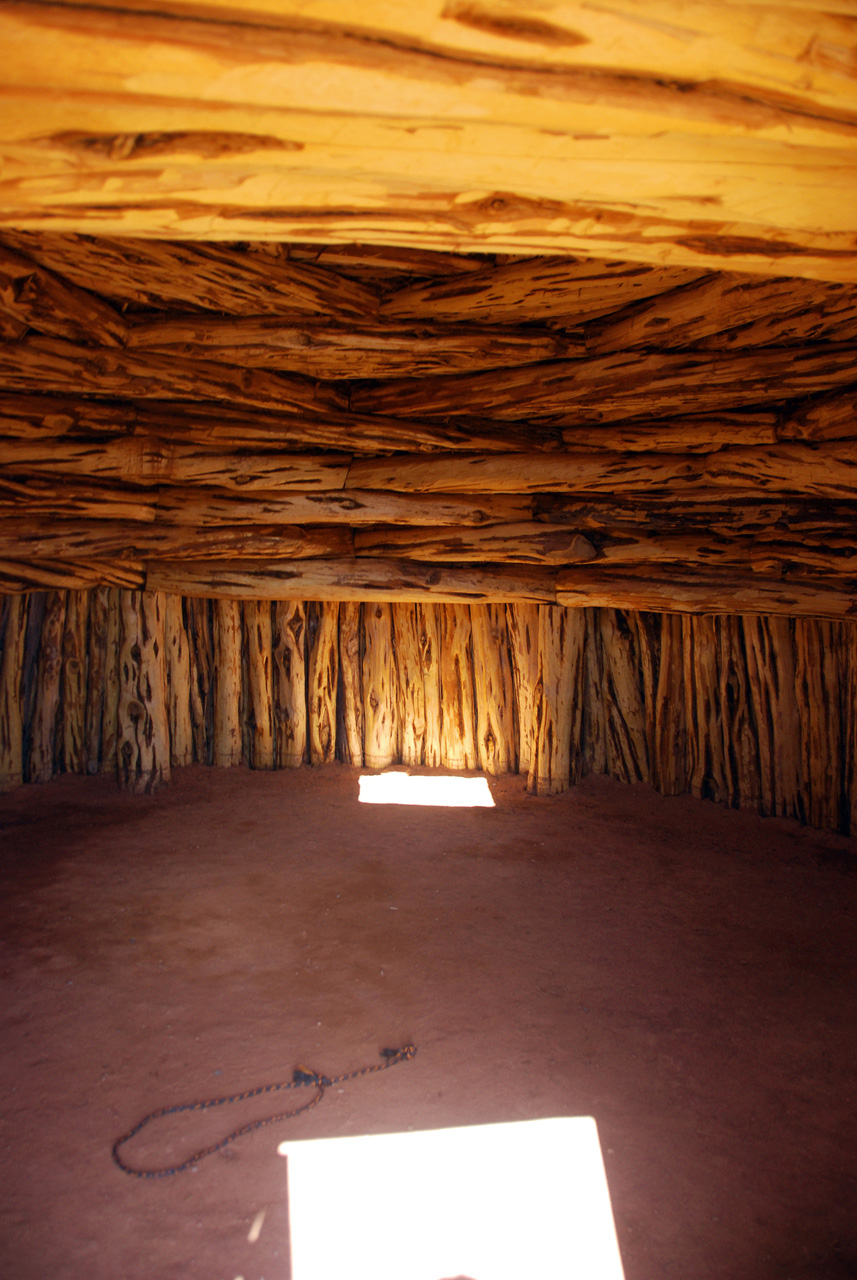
{"x": 301, "y": 1076}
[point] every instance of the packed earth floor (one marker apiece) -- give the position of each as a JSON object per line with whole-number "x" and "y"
{"x": 683, "y": 973}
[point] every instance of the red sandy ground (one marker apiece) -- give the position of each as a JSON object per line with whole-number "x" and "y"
{"x": 681, "y": 972}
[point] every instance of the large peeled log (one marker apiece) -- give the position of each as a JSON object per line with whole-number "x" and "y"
{"x": 177, "y": 661}
{"x": 351, "y": 682}
{"x": 74, "y": 683}
{"x": 143, "y": 746}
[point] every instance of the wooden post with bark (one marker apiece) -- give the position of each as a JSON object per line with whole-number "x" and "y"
{"x": 11, "y": 673}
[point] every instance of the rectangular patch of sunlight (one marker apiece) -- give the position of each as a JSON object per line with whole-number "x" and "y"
{"x": 449, "y": 792}
{"x": 486, "y": 1202}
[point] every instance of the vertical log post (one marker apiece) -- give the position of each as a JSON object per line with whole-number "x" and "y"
{"x": 48, "y": 683}
{"x": 706, "y": 775}
{"x": 257, "y": 627}
{"x": 143, "y": 747}
{"x": 290, "y": 683}
{"x": 495, "y": 700}
{"x": 322, "y": 675}
{"x": 11, "y": 675}
{"x": 819, "y": 701}
{"x": 110, "y": 704}
{"x": 201, "y": 667}
{"x": 740, "y": 750}
{"x": 227, "y": 683}
{"x": 670, "y": 768}
{"x": 625, "y": 716}
{"x": 769, "y": 644}
{"x": 73, "y": 702}
{"x": 379, "y": 687}
{"x": 428, "y": 639}
{"x": 177, "y": 670}
{"x": 457, "y": 727}
{"x": 409, "y": 679}
{"x": 96, "y": 654}
{"x": 558, "y": 701}
{"x": 351, "y": 683}
{"x": 522, "y": 621}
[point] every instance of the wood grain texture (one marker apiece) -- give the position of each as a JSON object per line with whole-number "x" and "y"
{"x": 37, "y": 299}
{"x": 96, "y": 667}
{"x": 411, "y": 702}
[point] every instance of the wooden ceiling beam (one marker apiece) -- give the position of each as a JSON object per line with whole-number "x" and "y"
{"x": 628, "y": 384}
{"x": 349, "y": 351}
{"x": 367, "y": 579}
{"x": 206, "y": 276}
{"x": 819, "y": 471}
{"x": 51, "y": 365}
{"x": 217, "y": 426}
{"x": 682, "y": 592}
{"x": 761, "y": 309}
{"x": 95, "y": 540}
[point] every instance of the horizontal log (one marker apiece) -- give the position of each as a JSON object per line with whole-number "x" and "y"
{"x": 150, "y": 461}
{"x": 713, "y": 512}
{"x": 823, "y": 418}
{"x": 51, "y": 498}
{"x": 40, "y": 300}
{"x": 27, "y": 417}
{"x": 382, "y": 262}
{"x": 194, "y": 507}
{"x": 120, "y": 540}
{"x": 79, "y": 575}
{"x": 682, "y": 317}
{"x": 769, "y": 551}
{"x": 535, "y": 289}
{"x": 157, "y": 273}
{"x": 824, "y": 471}
{"x": 522, "y": 543}
{"x": 703, "y": 433}
{"x": 50, "y": 365}
{"x": 346, "y": 351}
{"x": 366, "y": 579}
{"x": 624, "y": 385}
{"x": 687, "y": 593}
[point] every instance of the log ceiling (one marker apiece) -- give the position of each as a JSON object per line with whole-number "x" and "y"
{"x": 460, "y": 301}
{"x": 324, "y": 424}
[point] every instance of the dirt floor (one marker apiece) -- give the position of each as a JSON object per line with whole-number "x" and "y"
{"x": 683, "y": 973}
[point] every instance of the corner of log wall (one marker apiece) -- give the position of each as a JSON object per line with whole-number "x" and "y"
{"x": 747, "y": 711}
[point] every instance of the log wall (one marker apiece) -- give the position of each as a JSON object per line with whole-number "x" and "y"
{"x": 748, "y": 711}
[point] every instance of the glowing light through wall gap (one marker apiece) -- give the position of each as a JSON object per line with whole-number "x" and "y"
{"x": 437, "y": 791}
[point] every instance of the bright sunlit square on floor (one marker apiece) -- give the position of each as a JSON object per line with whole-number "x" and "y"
{"x": 520, "y": 1201}
{"x": 440, "y": 792}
